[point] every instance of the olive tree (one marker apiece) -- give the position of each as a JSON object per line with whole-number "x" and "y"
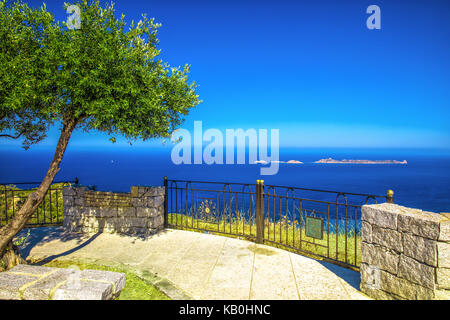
{"x": 104, "y": 76}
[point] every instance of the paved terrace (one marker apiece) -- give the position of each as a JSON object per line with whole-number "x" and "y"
{"x": 203, "y": 266}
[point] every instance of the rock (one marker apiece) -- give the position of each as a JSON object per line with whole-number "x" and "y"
{"x": 443, "y": 278}
{"x": 404, "y": 288}
{"x": 387, "y": 238}
{"x": 443, "y": 249}
{"x": 42, "y": 283}
{"x": 444, "y": 231}
{"x": 126, "y": 212}
{"x": 379, "y": 257}
{"x": 366, "y": 232}
{"x": 419, "y": 248}
{"x": 380, "y": 215}
{"x": 424, "y": 224}
{"x": 416, "y": 272}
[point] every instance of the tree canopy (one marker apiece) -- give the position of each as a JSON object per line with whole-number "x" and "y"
{"x": 104, "y": 76}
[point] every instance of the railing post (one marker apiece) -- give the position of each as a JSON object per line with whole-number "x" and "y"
{"x": 166, "y": 206}
{"x": 259, "y": 211}
{"x": 390, "y": 196}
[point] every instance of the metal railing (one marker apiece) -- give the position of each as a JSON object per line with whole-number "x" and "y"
{"x": 321, "y": 223}
{"x": 49, "y": 212}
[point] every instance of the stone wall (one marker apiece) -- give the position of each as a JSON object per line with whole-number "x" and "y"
{"x": 405, "y": 253}
{"x": 140, "y": 212}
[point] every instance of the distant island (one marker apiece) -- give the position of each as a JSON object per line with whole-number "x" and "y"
{"x": 345, "y": 161}
{"x": 277, "y": 161}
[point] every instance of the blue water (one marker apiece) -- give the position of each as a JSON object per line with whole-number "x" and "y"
{"x": 423, "y": 183}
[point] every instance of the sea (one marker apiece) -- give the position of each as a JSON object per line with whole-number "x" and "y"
{"x": 423, "y": 183}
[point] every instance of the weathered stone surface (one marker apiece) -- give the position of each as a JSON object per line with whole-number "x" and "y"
{"x": 68, "y": 201}
{"x": 444, "y": 231}
{"x": 442, "y": 295}
{"x": 115, "y": 278}
{"x": 366, "y": 232}
{"x": 380, "y": 215}
{"x": 134, "y": 222}
{"x": 108, "y": 212}
{"x": 443, "y": 249}
{"x": 10, "y": 285}
{"x": 380, "y": 257}
{"x": 443, "y": 278}
{"x": 42, "y": 283}
{"x": 377, "y": 294}
{"x": 155, "y": 222}
{"x": 31, "y": 270}
{"x": 146, "y": 212}
{"x": 388, "y": 238}
{"x": 404, "y": 288}
{"x": 79, "y": 201}
{"x": 424, "y": 224}
{"x": 416, "y": 272}
{"x": 84, "y": 290}
{"x": 69, "y": 191}
{"x": 126, "y": 212}
{"x": 41, "y": 289}
{"x": 419, "y": 248}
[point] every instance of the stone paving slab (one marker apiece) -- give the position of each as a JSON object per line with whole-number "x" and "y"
{"x": 206, "y": 266}
{"x": 27, "y": 282}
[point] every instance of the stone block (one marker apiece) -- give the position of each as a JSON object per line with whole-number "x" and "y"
{"x": 116, "y": 279}
{"x": 43, "y": 283}
{"x": 444, "y": 231}
{"x": 376, "y": 294}
{"x": 366, "y": 232}
{"x": 442, "y": 295}
{"x": 380, "y": 257}
{"x": 126, "y": 212}
{"x": 68, "y": 201}
{"x": 10, "y": 285}
{"x": 388, "y": 238}
{"x": 416, "y": 272}
{"x": 424, "y": 224}
{"x": 419, "y": 248}
{"x": 134, "y": 222}
{"x": 404, "y": 288}
{"x": 158, "y": 201}
{"x": 79, "y": 201}
{"x": 41, "y": 289}
{"x": 443, "y": 250}
{"x": 443, "y": 278}
{"x": 146, "y": 212}
{"x": 70, "y": 211}
{"x": 69, "y": 191}
{"x": 106, "y": 212}
{"x": 84, "y": 290}
{"x": 155, "y": 222}
{"x": 382, "y": 215}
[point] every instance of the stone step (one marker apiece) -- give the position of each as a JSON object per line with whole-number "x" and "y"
{"x": 27, "y": 282}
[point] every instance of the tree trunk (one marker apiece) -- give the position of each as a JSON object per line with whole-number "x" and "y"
{"x": 34, "y": 199}
{"x": 11, "y": 257}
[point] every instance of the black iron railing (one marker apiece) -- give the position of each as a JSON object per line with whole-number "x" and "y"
{"x": 49, "y": 212}
{"x": 320, "y": 223}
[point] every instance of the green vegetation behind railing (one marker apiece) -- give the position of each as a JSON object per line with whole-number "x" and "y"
{"x": 281, "y": 234}
{"x": 50, "y": 211}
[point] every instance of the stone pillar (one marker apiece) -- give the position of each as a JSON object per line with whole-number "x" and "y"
{"x": 405, "y": 253}
{"x": 140, "y": 212}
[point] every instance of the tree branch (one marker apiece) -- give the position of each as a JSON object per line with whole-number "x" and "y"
{"x": 12, "y": 137}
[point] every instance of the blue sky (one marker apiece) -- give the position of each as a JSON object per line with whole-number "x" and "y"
{"x": 309, "y": 68}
